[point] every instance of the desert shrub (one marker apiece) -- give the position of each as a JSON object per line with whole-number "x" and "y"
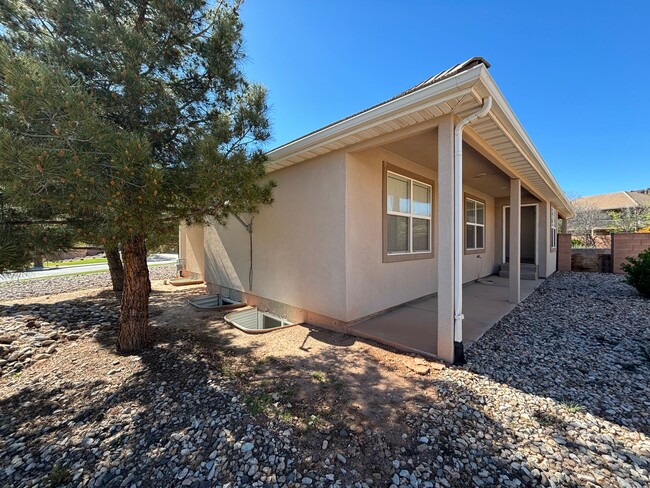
{"x": 638, "y": 272}
{"x": 60, "y": 475}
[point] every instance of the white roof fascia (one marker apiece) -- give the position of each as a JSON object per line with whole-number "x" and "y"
{"x": 451, "y": 87}
{"x": 534, "y": 158}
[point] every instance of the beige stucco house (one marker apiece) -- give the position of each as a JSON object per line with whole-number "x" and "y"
{"x": 412, "y": 197}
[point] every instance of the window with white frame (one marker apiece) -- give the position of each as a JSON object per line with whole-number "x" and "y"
{"x": 474, "y": 225}
{"x": 408, "y": 215}
{"x": 553, "y": 228}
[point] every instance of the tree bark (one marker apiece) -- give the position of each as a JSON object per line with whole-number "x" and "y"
{"x": 133, "y": 332}
{"x": 115, "y": 267}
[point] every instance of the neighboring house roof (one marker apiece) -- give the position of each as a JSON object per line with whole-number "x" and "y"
{"x": 459, "y": 90}
{"x": 642, "y": 197}
{"x": 614, "y": 201}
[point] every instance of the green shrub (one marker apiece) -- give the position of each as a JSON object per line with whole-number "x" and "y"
{"x": 60, "y": 475}
{"x": 638, "y": 272}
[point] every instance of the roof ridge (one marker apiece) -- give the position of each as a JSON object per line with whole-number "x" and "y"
{"x": 639, "y": 197}
{"x": 629, "y": 195}
{"x": 470, "y": 63}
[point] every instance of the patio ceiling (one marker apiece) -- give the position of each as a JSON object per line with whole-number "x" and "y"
{"x": 478, "y": 171}
{"x": 499, "y": 136}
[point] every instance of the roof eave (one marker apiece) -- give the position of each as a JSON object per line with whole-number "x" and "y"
{"x": 427, "y": 94}
{"x": 535, "y": 158}
{"x": 430, "y": 94}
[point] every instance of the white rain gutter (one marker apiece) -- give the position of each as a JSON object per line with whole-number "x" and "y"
{"x": 459, "y": 357}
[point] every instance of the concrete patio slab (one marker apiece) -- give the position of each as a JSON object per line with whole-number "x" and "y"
{"x": 413, "y": 327}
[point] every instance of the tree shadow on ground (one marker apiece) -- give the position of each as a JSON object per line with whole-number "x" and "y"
{"x": 205, "y": 387}
{"x": 182, "y": 402}
{"x": 340, "y": 384}
{"x": 168, "y": 398}
{"x": 86, "y": 399}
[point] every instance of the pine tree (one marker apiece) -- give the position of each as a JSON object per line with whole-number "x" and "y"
{"x": 126, "y": 118}
{"x": 26, "y": 236}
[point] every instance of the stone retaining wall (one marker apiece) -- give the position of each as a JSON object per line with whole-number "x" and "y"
{"x": 593, "y": 260}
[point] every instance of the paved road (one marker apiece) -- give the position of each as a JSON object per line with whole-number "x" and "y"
{"x": 154, "y": 260}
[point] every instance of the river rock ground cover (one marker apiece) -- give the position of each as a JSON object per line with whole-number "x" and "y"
{"x": 556, "y": 394}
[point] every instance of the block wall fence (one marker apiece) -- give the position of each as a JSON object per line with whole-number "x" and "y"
{"x": 623, "y": 245}
{"x": 564, "y": 252}
{"x": 627, "y": 245}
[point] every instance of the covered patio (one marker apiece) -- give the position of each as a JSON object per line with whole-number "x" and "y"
{"x": 428, "y": 194}
{"x": 414, "y": 326}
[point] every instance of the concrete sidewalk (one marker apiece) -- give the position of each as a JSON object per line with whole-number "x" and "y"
{"x": 413, "y": 327}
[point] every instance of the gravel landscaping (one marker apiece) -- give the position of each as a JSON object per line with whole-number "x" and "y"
{"x": 16, "y": 289}
{"x": 556, "y": 394}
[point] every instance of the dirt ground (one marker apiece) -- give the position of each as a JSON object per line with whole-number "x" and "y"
{"x": 544, "y": 400}
{"x": 305, "y": 375}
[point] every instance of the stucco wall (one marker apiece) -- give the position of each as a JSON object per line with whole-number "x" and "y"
{"x": 473, "y": 266}
{"x": 298, "y": 242}
{"x": 190, "y": 247}
{"x": 372, "y": 284}
{"x": 546, "y": 258}
{"x": 319, "y": 247}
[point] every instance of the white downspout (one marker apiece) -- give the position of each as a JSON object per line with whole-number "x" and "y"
{"x": 458, "y": 228}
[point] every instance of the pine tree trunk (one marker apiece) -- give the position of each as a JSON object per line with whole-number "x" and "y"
{"x": 133, "y": 333}
{"x": 115, "y": 267}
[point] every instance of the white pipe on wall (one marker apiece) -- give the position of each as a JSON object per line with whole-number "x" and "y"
{"x": 458, "y": 225}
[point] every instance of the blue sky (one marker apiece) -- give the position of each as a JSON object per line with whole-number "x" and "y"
{"x": 575, "y": 73}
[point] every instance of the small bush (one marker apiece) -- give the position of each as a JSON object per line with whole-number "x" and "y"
{"x": 60, "y": 475}
{"x": 638, "y": 272}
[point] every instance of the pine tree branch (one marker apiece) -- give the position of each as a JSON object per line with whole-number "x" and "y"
{"x": 35, "y": 222}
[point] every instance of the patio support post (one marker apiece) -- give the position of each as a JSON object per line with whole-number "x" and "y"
{"x": 445, "y": 239}
{"x": 515, "y": 241}
{"x": 565, "y": 226}
{"x": 543, "y": 238}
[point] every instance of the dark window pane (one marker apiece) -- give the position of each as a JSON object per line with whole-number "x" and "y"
{"x": 421, "y": 235}
{"x": 479, "y": 238}
{"x": 398, "y": 234}
{"x": 470, "y": 237}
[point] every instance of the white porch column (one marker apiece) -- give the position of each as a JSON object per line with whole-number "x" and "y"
{"x": 515, "y": 241}
{"x": 445, "y": 239}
